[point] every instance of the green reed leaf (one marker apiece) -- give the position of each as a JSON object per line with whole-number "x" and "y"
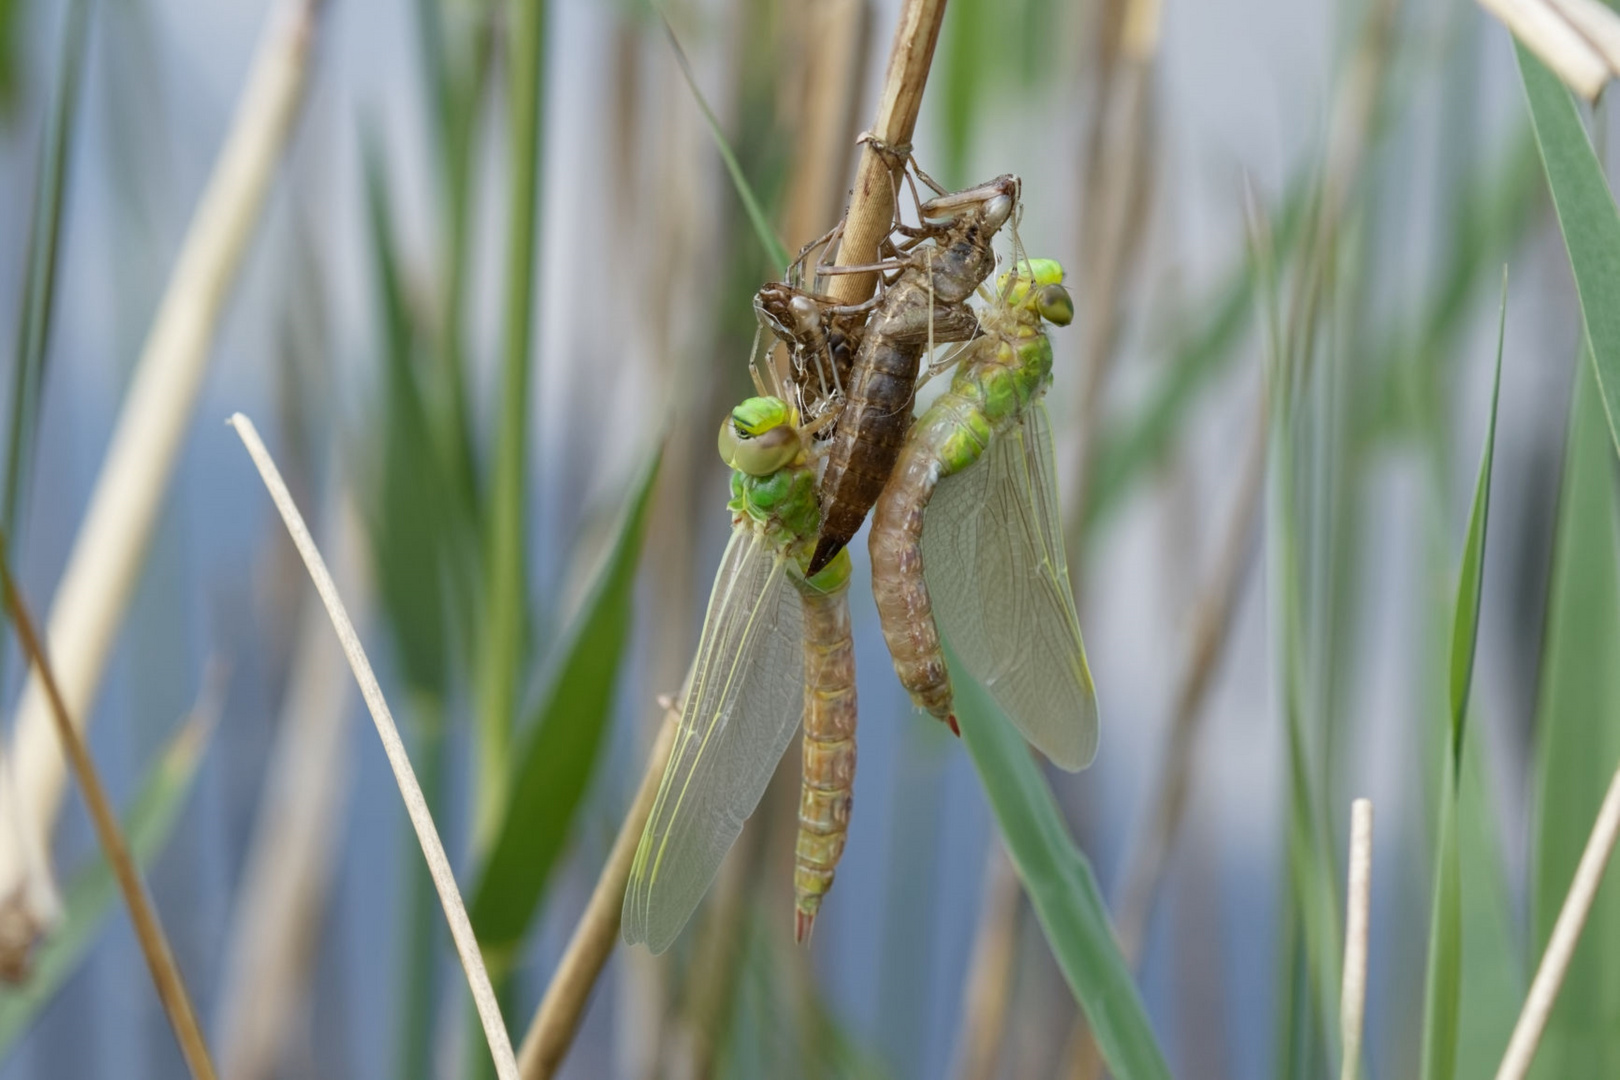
{"x": 1061, "y": 887}
{"x": 555, "y": 764}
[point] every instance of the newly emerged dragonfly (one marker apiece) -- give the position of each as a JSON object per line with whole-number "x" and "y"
{"x": 969, "y": 528}
{"x": 775, "y": 646}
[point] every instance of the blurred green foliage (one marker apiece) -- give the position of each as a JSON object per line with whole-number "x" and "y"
{"x": 1578, "y": 742}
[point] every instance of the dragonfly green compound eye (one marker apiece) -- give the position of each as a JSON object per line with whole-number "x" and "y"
{"x": 758, "y": 438}
{"x": 758, "y": 415}
{"x": 1055, "y": 305}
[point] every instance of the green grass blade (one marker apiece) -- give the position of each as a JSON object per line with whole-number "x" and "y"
{"x": 1471, "y": 576}
{"x": 1442, "y": 989}
{"x": 1059, "y": 882}
{"x": 93, "y": 892}
{"x": 39, "y": 280}
{"x": 1442, "y": 994}
{"x": 774, "y": 249}
{"x": 1492, "y": 960}
{"x": 503, "y": 645}
{"x": 1587, "y": 217}
{"x": 556, "y": 764}
{"x": 407, "y": 520}
{"x": 1578, "y": 743}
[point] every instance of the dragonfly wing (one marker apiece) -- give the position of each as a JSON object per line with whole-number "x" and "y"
{"x": 743, "y": 704}
{"x": 993, "y": 555}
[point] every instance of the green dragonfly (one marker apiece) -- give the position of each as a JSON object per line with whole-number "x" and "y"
{"x": 775, "y": 647}
{"x": 968, "y": 527}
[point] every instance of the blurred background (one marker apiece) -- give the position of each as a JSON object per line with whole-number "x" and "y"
{"x": 501, "y": 269}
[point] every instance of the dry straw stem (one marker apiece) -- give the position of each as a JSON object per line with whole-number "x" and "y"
{"x": 1577, "y": 39}
{"x": 555, "y": 1022}
{"x": 990, "y": 973}
{"x": 870, "y": 216}
{"x": 444, "y": 880}
{"x": 1212, "y": 624}
{"x": 1566, "y": 932}
{"x": 111, "y": 543}
{"x": 1118, "y": 169}
{"x": 1598, "y": 24}
{"x": 171, "y": 987}
{"x": 1353, "y": 992}
{"x": 272, "y": 944}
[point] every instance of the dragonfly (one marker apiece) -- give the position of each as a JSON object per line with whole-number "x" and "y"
{"x": 968, "y": 531}
{"x": 775, "y": 647}
{"x": 940, "y": 265}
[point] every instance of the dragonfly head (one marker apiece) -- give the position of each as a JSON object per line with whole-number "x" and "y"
{"x": 759, "y": 437}
{"x": 1038, "y": 283}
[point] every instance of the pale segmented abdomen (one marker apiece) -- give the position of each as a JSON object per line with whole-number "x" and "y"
{"x": 951, "y": 435}
{"x": 829, "y": 749}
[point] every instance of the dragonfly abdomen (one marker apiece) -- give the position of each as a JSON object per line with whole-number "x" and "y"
{"x": 951, "y": 435}
{"x": 827, "y": 791}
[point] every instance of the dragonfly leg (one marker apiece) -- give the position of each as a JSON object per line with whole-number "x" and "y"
{"x": 942, "y": 365}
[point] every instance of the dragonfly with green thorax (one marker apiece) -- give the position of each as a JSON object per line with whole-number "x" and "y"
{"x": 775, "y": 647}
{"x": 968, "y": 529}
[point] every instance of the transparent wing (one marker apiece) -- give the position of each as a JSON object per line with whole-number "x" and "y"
{"x": 993, "y": 555}
{"x": 743, "y": 704}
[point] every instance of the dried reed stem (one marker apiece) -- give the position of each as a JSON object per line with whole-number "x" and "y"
{"x": 1598, "y": 24}
{"x": 111, "y": 543}
{"x": 556, "y": 1020}
{"x": 284, "y": 883}
{"x": 1566, "y": 932}
{"x": 1118, "y": 173}
{"x": 171, "y": 987}
{"x": 870, "y": 216}
{"x": 988, "y": 993}
{"x": 1353, "y": 993}
{"x": 1550, "y": 31}
{"x": 1212, "y": 623}
{"x": 444, "y": 880}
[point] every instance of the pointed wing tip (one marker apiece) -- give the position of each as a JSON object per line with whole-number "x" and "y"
{"x": 1077, "y": 753}
{"x": 633, "y": 931}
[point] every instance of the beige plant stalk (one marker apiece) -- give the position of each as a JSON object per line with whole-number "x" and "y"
{"x": 273, "y": 939}
{"x": 111, "y": 544}
{"x": 427, "y": 834}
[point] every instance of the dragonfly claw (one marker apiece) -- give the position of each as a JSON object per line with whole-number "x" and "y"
{"x": 803, "y": 923}
{"x": 950, "y": 722}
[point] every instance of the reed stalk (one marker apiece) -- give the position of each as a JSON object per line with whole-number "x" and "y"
{"x": 171, "y": 987}
{"x": 444, "y": 880}
{"x": 111, "y": 544}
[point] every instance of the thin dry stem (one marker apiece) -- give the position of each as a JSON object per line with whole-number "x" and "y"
{"x": 1566, "y": 933}
{"x": 990, "y": 974}
{"x": 1547, "y": 30}
{"x": 556, "y": 1020}
{"x": 1597, "y": 23}
{"x": 154, "y": 943}
{"x": 1353, "y": 993}
{"x": 289, "y": 865}
{"x": 1212, "y": 623}
{"x": 444, "y": 880}
{"x": 1118, "y": 171}
{"x": 111, "y": 543}
{"x": 870, "y": 216}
